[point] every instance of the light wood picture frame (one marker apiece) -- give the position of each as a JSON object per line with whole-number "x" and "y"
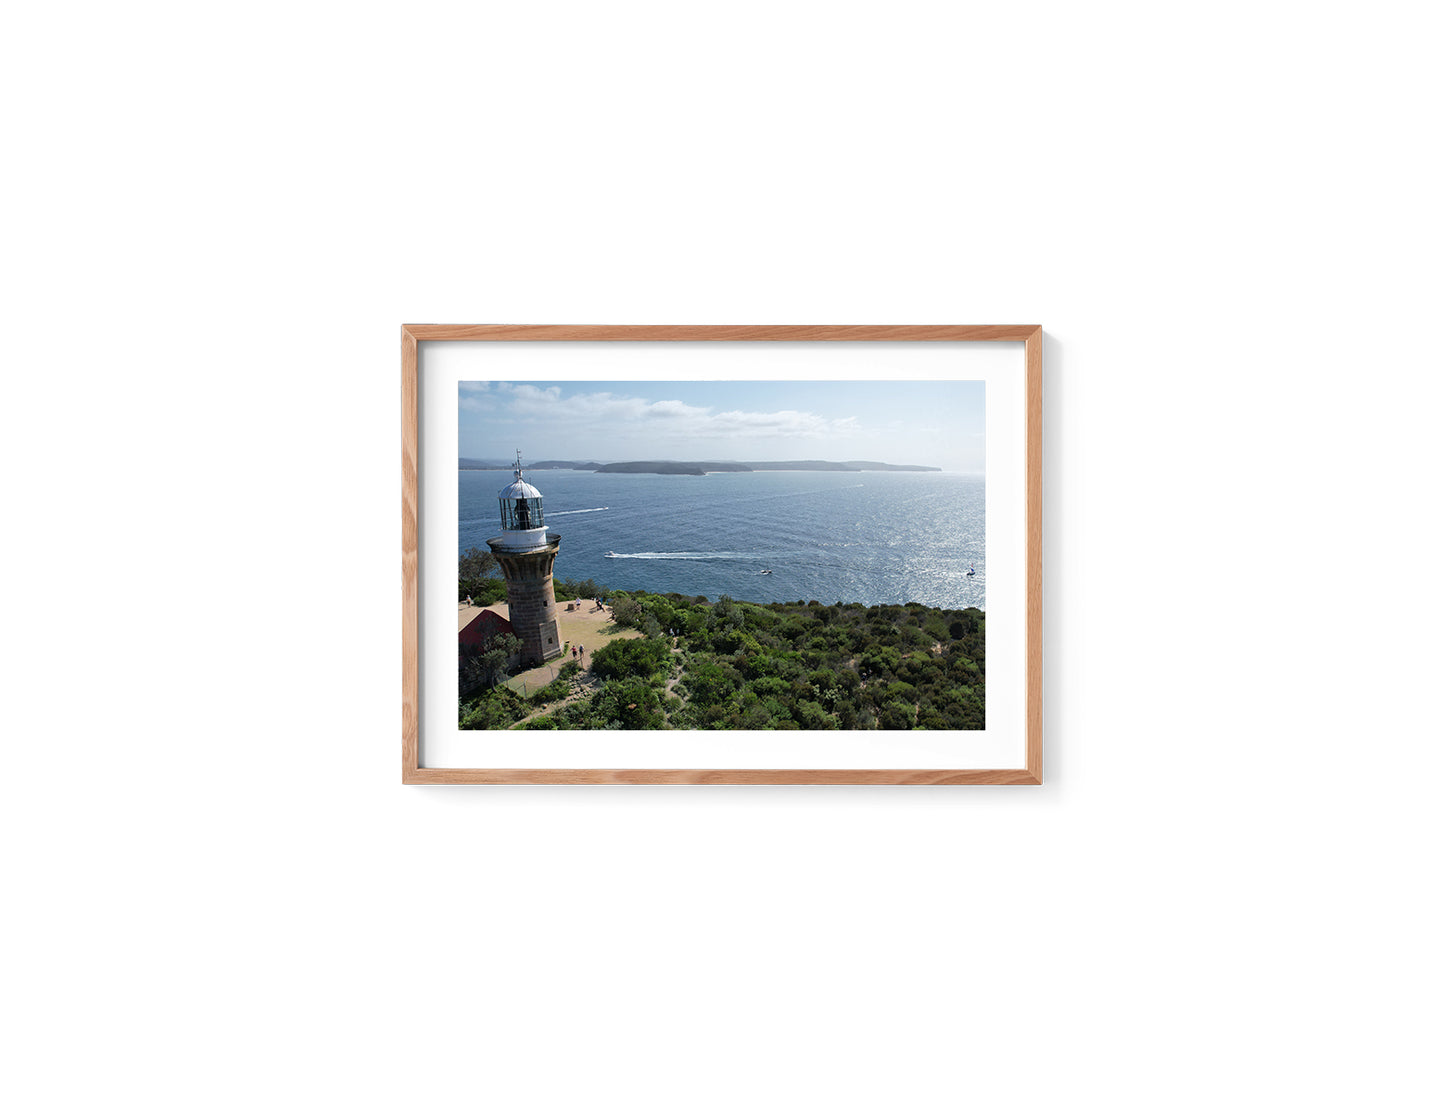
{"x": 1030, "y": 725}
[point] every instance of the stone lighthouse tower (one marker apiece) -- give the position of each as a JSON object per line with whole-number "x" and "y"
{"x": 525, "y": 550}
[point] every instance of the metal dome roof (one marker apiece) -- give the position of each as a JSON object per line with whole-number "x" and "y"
{"x": 519, "y": 489}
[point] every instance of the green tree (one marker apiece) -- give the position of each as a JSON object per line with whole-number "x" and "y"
{"x": 476, "y": 563}
{"x": 474, "y": 567}
{"x": 709, "y": 683}
{"x": 485, "y": 666}
{"x": 564, "y": 590}
{"x": 626, "y": 611}
{"x": 812, "y": 716}
{"x": 896, "y": 716}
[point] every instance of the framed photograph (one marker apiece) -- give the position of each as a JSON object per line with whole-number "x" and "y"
{"x": 722, "y": 555}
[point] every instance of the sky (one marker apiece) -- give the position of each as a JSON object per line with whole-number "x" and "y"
{"x": 931, "y": 423}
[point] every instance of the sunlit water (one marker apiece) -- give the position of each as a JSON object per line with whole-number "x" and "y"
{"x": 871, "y": 537}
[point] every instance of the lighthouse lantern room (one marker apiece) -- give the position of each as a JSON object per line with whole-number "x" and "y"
{"x": 521, "y": 502}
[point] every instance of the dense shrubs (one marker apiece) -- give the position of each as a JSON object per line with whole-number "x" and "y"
{"x": 495, "y": 710}
{"x": 780, "y": 666}
{"x": 815, "y": 667}
{"x": 633, "y": 656}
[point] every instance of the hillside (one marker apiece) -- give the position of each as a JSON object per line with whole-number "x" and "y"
{"x": 667, "y": 467}
{"x": 850, "y": 465}
{"x": 746, "y": 666}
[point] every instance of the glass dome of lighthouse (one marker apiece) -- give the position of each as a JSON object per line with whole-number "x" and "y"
{"x": 521, "y": 504}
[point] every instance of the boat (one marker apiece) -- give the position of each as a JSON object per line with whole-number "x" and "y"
{"x": 970, "y": 569}
{"x": 610, "y": 553}
{"x": 766, "y": 571}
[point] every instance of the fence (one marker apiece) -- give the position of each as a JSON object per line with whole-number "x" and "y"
{"x": 519, "y": 684}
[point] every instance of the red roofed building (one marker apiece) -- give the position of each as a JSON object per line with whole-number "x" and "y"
{"x": 477, "y": 626}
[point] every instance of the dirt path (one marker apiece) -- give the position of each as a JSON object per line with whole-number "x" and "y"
{"x": 674, "y": 674}
{"x": 583, "y": 686}
{"x": 677, "y": 671}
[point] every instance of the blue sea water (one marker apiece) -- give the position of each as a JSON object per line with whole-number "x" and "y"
{"x": 876, "y": 537}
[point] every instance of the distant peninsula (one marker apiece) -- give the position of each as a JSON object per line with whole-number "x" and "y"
{"x": 688, "y": 467}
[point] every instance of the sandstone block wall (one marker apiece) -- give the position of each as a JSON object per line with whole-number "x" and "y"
{"x": 530, "y": 602}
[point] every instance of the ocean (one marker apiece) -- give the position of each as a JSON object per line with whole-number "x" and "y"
{"x": 875, "y": 537}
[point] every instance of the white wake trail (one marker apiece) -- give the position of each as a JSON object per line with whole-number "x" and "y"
{"x": 681, "y": 555}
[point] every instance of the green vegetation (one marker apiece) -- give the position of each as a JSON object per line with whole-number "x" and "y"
{"x": 474, "y": 570}
{"x": 564, "y": 590}
{"x": 485, "y": 666}
{"x": 735, "y": 665}
{"x": 497, "y": 709}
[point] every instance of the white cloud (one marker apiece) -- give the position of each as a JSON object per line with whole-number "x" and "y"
{"x": 783, "y": 424}
{"x": 580, "y": 418}
{"x": 530, "y": 395}
{"x": 675, "y": 409}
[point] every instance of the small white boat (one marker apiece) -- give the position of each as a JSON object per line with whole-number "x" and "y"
{"x": 766, "y": 571}
{"x": 610, "y": 553}
{"x": 970, "y": 569}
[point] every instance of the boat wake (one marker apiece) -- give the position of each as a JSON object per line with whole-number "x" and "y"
{"x": 679, "y": 555}
{"x": 564, "y": 513}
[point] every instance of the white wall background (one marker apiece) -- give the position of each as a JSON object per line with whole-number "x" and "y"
{"x": 220, "y": 896}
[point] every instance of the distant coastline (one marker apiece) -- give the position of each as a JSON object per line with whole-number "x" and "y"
{"x": 688, "y": 467}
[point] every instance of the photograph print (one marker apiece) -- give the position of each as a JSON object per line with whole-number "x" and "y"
{"x": 721, "y": 555}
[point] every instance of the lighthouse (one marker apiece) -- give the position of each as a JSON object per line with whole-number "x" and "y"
{"x": 525, "y": 551}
